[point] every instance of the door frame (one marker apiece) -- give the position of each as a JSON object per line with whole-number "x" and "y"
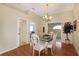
{"x": 61, "y": 29}
{"x": 18, "y": 27}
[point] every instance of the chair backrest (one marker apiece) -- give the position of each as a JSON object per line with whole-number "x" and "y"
{"x": 35, "y": 39}
{"x": 54, "y": 39}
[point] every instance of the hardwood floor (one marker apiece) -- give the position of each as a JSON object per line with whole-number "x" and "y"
{"x": 25, "y": 50}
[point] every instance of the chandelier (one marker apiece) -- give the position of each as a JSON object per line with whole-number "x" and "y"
{"x": 47, "y": 17}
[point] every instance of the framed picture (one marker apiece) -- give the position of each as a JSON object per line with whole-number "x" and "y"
{"x": 43, "y": 29}
{"x": 75, "y": 25}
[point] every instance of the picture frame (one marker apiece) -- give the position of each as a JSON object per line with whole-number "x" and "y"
{"x": 43, "y": 29}
{"x": 75, "y": 25}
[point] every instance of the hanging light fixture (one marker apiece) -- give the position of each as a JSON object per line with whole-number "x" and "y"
{"x": 47, "y": 17}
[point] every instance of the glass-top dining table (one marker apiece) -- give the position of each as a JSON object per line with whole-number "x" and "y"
{"x": 45, "y": 41}
{"x": 46, "y": 38}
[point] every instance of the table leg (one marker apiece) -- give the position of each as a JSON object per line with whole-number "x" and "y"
{"x": 46, "y": 48}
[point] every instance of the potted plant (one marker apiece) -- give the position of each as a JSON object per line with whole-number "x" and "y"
{"x": 68, "y": 28}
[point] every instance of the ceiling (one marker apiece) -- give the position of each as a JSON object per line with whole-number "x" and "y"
{"x": 40, "y": 8}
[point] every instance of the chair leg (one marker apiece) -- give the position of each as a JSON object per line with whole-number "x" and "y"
{"x": 39, "y": 53}
{"x": 33, "y": 52}
{"x": 30, "y": 44}
{"x": 46, "y": 50}
{"x": 51, "y": 51}
{"x": 53, "y": 48}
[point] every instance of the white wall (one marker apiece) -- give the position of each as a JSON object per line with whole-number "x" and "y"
{"x": 1, "y": 31}
{"x": 8, "y": 26}
{"x": 62, "y": 18}
{"x": 37, "y": 20}
{"x": 76, "y": 33}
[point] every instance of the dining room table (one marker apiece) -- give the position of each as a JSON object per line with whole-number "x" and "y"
{"x": 45, "y": 39}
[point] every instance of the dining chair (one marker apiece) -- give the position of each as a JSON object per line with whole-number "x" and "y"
{"x": 37, "y": 45}
{"x": 52, "y": 44}
{"x": 32, "y": 39}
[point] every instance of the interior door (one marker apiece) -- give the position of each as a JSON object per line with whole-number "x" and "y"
{"x": 22, "y": 32}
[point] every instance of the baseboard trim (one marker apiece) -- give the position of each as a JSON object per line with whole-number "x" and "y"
{"x": 1, "y": 52}
{"x": 8, "y": 50}
{"x": 76, "y": 49}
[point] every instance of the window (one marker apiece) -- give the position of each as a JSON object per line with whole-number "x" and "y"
{"x": 31, "y": 28}
{"x": 57, "y": 27}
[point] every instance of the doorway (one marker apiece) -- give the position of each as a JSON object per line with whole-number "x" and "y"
{"x": 56, "y": 28}
{"x": 22, "y": 31}
{"x": 32, "y": 27}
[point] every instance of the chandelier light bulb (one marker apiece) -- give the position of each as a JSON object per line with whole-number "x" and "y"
{"x": 45, "y": 16}
{"x": 50, "y": 17}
